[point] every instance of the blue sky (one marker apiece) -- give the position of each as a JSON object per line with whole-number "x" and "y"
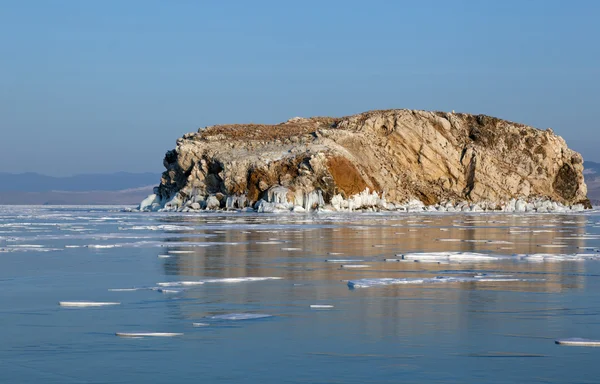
{"x": 102, "y": 86}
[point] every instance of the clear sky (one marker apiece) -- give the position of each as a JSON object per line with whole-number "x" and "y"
{"x": 109, "y": 85}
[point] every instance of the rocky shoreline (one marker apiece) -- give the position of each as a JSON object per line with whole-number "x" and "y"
{"x": 364, "y": 202}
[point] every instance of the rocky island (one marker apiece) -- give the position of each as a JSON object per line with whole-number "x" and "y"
{"x": 400, "y": 159}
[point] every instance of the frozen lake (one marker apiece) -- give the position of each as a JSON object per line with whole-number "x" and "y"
{"x": 295, "y": 298}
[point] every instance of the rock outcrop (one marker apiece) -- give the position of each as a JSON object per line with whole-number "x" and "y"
{"x": 392, "y": 159}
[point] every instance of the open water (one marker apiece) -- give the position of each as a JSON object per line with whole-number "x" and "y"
{"x": 474, "y": 298}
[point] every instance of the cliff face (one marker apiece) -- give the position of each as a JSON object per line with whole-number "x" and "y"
{"x": 401, "y": 155}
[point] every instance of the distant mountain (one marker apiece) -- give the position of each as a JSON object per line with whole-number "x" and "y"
{"x": 592, "y": 179}
{"x": 112, "y": 188}
{"x": 35, "y": 182}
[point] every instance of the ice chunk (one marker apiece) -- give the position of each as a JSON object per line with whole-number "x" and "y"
{"x": 309, "y": 201}
{"x": 234, "y": 202}
{"x": 164, "y": 227}
{"x": 241, "y": 279}
{"x": 549, "y": 257}
{"x": 450, "y": 256}
{"x": 169, "y": 291}
{"x": 578, "y": 342}
{"x": 342, "y": 260}
{"x": 147, "y": 334}
{"x": 200, "y": 324}
{"x": 355, "y": 266}
{"x": 375, "y": 282}
{"x": 321, "y": 306}
{"x": 239, "y": 316}
{"x": 126, "y": 289}
{"x": 219, "y": 280}
{"x": 180, "y": 283}
{"x": 150, "y": 203}
{"x": 84, "y": 304}
{"x": 277, "y": 194}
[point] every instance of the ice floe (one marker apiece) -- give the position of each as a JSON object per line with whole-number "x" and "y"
{"x": 227, "y": 280}
{"x": 239, "y": 316}
{"x": 551, "y": 257}
{"x": 378, "y": 282}
{"x": 175, "y": 252}
{"x": 102, "y": 246}
{"x": 578, "y": 342}
{"x": 180, "y": 283}
{"x": 450, "y": 256}
{"x": 321, "y": 306}
{"x": 169, "y": 291}
{"x": 200, "y": 324}
{"x": 84, "y": 304}
{"x": 148, "y": 334}
{"x": 164, "y": 227}
{"x": 127, "y": 289}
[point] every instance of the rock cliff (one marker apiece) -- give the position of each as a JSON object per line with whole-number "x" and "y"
{"x": 392, "y": 159}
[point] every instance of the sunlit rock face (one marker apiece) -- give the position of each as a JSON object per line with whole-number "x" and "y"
{"x": 379, "y": 160}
